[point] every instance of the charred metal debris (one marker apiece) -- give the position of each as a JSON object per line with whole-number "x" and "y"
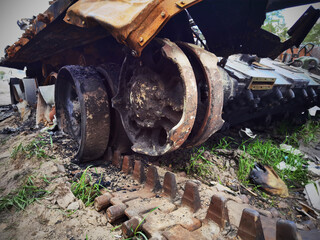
{"x": 172, "y": 95}
{"x": 118, "y": 77}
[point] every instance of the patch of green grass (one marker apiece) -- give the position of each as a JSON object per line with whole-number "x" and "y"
{"x": 35, "y": 148}
{"x": 245, "y": 166}
{"x": 22, "y": 197}
{"x": 84, "y": 191}
{"x": 224, "y": 143}
{"x": 306, "y": 133}
{"x": 268, "y": 153}
{"x": 198, "y": 164}
{"x": 309, "y": 131}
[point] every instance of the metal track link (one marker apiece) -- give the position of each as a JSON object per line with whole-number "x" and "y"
{"x": 168, "y": 206}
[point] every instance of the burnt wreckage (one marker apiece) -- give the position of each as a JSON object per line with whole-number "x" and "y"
{"x": 127, "y": 75}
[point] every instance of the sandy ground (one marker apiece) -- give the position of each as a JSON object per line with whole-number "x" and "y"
{"x": 48, "y": 218}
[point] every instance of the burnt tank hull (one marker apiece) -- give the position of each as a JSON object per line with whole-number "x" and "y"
{"x": 158, "y": 95}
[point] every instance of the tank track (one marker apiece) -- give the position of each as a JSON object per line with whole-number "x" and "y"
{"x": 164, "y": 205}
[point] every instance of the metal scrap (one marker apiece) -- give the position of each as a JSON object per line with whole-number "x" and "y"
{"x": 312, "y": 192}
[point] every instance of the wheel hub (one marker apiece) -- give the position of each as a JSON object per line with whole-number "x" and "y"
{"x": 150, "y": 101}
{"x": 157, "y": 99}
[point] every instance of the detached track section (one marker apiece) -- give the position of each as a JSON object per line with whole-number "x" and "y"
{"x": 171, "y": 214}
{"x": 83, "y": 109}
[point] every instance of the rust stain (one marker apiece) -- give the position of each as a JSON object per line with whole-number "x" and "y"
{"x": 212, "y": 121}
{"x": 179, "y": 134}
{"x": 131, "y": 22}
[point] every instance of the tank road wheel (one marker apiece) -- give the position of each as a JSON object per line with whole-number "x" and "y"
{"x": 210, "y": 93}
{"x": 157, "y": 98}
{"x": 83, "y": 109}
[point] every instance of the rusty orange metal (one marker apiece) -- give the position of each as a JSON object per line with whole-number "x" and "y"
{"x": 179, "y": 134}
{"x": 132, "y": 23}
{"x": 45, "y": 18}
{"x": 158, "y": 108}
{"x": 212, "y": 121}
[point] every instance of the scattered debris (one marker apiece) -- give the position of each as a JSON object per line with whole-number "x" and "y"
{"x": 290, "y": 149}
{"x": 308, "y": 211}
{"x": 313, "y": 111}
{"x": 9, "y": 130}
{"x": 312, "y": 152}
{"x": 24, "y": 110}
{"x": 248, "y": 132}
{"x": 6, "y": 112}
{"x": 45, "y": 104}
{"x": 312, "y": 192}
{"x": 268, "y": 180}
{"x": 313, "y": 169}
{"x": 249, "y": 190}
{"x": 282, "y": 165}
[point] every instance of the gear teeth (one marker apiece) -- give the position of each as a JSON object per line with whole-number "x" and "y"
{"x": 218, "y": 211}
{"x": 170, "y": 188}
{"x": 138, "y": 171}
{"x": 191, "y": 196}
{"x": 127, "y": 165}
{"x": 286, "y": 230}
{"x": 153, "y": 181}
{"x": 250, "y": 227}
{"x": 197, "y": 221}
{"x": 116, "y": 160}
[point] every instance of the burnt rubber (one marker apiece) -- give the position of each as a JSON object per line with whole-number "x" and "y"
{"x": 83, "y": 110}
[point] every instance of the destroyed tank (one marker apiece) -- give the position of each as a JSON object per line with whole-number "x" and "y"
{"x": 155, "y": 76}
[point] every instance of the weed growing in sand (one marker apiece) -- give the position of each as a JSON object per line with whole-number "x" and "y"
{"x": 23, "y": 196}
{"x": 224, "y": 143}
{"x": 268, "y": 153}
{"x": 35, "y": 148}
{"x": 198, "y": 164}
{"x": 137, "y": 234}
{"x": 84, "y": 191}
{"x": 306, "y": 133}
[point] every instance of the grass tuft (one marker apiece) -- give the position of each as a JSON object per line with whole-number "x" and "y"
{"x": 224, "y": 143}
{"x": 84, "y": 191}
{"x": 137, "y": 234}
{"x": 198, "y": 164}
{"x": 35, "y": 148}
{"x": 23, "y": 196}
{"x": 308, "y": 132}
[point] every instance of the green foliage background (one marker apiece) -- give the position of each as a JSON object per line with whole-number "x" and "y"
{"x": 275, "y": 23}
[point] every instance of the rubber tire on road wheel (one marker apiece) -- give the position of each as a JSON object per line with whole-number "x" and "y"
{"x": 83, "y": 109}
